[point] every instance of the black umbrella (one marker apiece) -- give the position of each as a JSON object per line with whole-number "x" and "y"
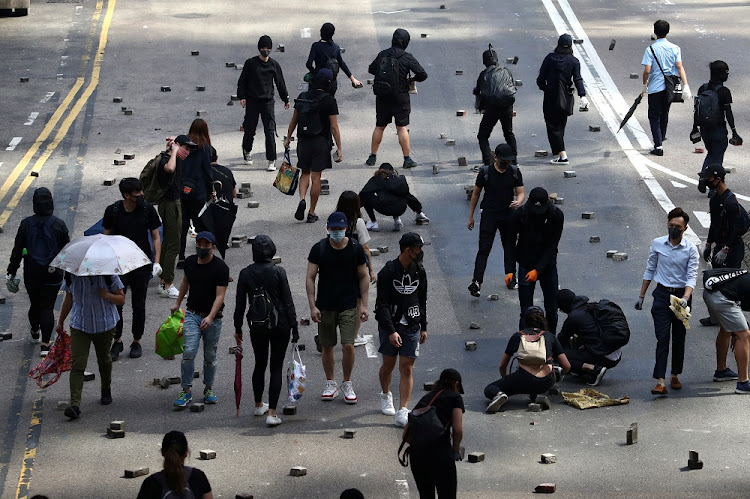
{"x": 218, "y": 219}
{"x": 630, "y": 111}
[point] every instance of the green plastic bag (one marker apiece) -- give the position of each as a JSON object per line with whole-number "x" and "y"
{"x": 169, "y": 338}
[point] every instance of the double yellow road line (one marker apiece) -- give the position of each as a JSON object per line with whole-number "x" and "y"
{"x": 52, "y": 123}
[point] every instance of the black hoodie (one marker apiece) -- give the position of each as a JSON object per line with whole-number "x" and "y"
{"x": 401, "y": 293}
{"x": 276, "y": 284}
{"x": 580, "y": 322}
{"x": 536, "y": 238}
{"x": 33, "y": 273}
{"x": 406, "y": 61}
{"x": 558, "y": 68}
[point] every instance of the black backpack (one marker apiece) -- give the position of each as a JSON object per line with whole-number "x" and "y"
{"x": 706, "y": 108}
{"x": 167, "y": 493}
{"x": 423, "y": 432}
{"x": 486, "y": 172}
{"x": 307, "y": 104}
{"x": 744, "y": 217}
{"x": 497, "y": 87}
{"x": 388, "y": 76}
{"x": 262, "y": 315}
{"x": 332, "y": 63}
{"x": 41, "y": 243}
{"x": 613, "y": 327}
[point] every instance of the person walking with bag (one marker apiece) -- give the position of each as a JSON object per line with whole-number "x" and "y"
{"x": 175, "y": 479}
{"x": 39, "y": 238}
{"x": 327, "y": 54}
{"x": 263, "y": 287}
{"x": 559, "y": 72}
{"x": 667, "y": 57}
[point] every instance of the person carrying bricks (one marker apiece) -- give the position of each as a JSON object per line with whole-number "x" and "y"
{"x": 206, "y": 280}
{"x": 673, "y": 264}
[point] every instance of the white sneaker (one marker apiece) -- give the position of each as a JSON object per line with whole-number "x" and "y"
{"x": 271, "y": 166}
{"x": 386, "y": 404}
{"x": 402, "y": 417}
{"x": 349, "y": 396}
{"x": 247, "y": 156}
{"x": 359, "y": 341}
{"x": 273, "y": 421}
{"x": 497, "y": 403}
{"x": 260, "y": 411}
{"x": 331, "y": 391}
{"x": 373, "y": 226}
{"x": 397, "y": 224}
{"x": 171, "y": 292}
{"x": 421, "y": 217}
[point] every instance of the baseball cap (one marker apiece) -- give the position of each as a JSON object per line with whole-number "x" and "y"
{"x": 184, "y": 140}
{"x": 538, "y": 200}
{"x": 386, "y": 166}
{"x": 410, "y": 239}
{"x": 338, "y": 220}
{"x": 450, "y": 375}
{"x": 716, "y": 171}
{"x": 207, "y": 236}
{"x": 504, "y": 152}
{"x": 565, "y": 40}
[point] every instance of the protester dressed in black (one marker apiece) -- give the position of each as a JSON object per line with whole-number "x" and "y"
{"x": 41, "y": 285}
{"x": 225, "y": 210}
{"x": 255, "y": 91}
{"x": 387, "y": 192}
{"x": 727, "y": 225}
{"x": 273, "y": 279}
{"x": 559, "y": 72}
{"x": 325, "y": 50}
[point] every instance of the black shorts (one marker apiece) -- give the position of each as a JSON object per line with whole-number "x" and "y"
{"x": 314, "y": 154}
{"x": 390, "y": 108}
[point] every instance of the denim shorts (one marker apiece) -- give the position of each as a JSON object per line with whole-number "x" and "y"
{"x": 409, "y": 342}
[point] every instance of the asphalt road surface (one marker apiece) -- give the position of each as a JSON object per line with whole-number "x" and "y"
{"x": 64, "y": 125}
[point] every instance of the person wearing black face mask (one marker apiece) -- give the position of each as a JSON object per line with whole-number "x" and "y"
{"x": 727, "y": 225}
{"x": 673, "y": 264}
{"x": 136, "y": 219}
{"x": 255, "y": 91}
{"x": 401, "y": 312}
{"x": 327, "y": 54}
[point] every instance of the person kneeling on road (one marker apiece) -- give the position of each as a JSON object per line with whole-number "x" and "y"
{"x": 387, "y": 192}
{"x": 727, "y": 294}
{"x": 592, "y": 336}
{"x": 536, "y": 349}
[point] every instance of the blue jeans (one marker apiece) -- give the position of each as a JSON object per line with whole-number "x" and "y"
{"x": 192, "y": 335}
{"x": 548, "y": 282}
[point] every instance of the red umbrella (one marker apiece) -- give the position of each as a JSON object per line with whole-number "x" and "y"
{"x": 238, "y": 377}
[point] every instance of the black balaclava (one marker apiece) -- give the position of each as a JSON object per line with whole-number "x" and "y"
{"x": 263, "y": 249}
{"x": 400, "y": 39}
{"x": 43, "y": 203}
{"x": 565, "y": 299}
{"x": 265, "y": 42}
{"x": 327, "y": 31}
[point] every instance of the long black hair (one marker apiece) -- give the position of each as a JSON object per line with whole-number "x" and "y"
{"x": 174, "y": 448}
{"x": 350, "y": 205}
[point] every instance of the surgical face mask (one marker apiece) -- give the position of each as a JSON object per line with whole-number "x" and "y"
{"x": 675, "y": 232}
{"x": 182, "y": 153}
{"x": 337, "y": 235}
{"x": 265, "y": 52}
{"x": 138, "y": 200}
{"x": 202, "y": 252}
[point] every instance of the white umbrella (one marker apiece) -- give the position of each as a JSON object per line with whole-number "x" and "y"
{"x": 100, "y": 255}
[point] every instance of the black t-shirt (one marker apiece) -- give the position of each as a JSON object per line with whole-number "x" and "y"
{"x": 444, "y": 405}
{"x": 170, "y": 182}
{"x": 338, "y": 278}
{"x": 135, "y": 225}
{"x": 197, "y": 483}
{"x": 203, "y": 279}
{"x": 551, "y": 343}
{"x": 328, "y": 107}
{"x": 498, "y": 189}
{"x": 225, "y": 176}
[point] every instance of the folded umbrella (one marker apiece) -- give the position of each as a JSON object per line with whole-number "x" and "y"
{"x": 238, "y": 378}
{"x": 100, "y": 255}
{"x": 630, "y": 111}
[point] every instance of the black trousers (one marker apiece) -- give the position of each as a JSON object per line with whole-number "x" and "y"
{"x": 519, "y": 382}
{"x": 435, "y": 471}
{"x": 666, "y": 325}
{"x": 277, "y": 340}
{"x": 658, "y": 115}
{"x": 137, "y": 281}
{"x": 578, "y": 358}
{"x": 42, "y": 308}
{"x": 488, "y": 226}
{"x": 716, "y": 140}
{"x": 369, "y": 203}
{"x": 548, "y": 281}
{"x": 556, "y": 122}
{"x": 190, "y": 210}
{"x": 493, "y": 114}
{"x": 265, "y": 109}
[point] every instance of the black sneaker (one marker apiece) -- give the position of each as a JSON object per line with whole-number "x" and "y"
{"x": 371, "y": 160}
{"x": 560, "y": 161}
{"x": 409, "y": 163}
{"x": 43, "y": 350}
{"x": 35, "y": 336}
{"x": 657, "y": 152}
{"x": 474, "y": 288}
{"x": 300, "y": 213}
{"x": 180, "y": 264}
{"x": 707, "y": 322}
{"x": 135, "y": 350}
{"x": 312, "y": 218}
{"x": 317, "y": 344}
{"x": 596, "y": 375}
{"x": 106, "y": 398}
{"x": 116, "y": 350}
{"x": 72, "y": 412}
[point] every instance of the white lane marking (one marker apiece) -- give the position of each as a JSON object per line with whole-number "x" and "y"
{"x": 370, "y": 348}
{"x": 403, "y": 489}
{"x": 678, "y": 184}
{"x": 304, "y": 33}
{"x": 390, "y": 12}
{"x": 608, "y": 114}
{"x": 1, "y": 164}
{"x": 704, "y": 218}
{"x": 13, "y": 143}
{"x": 47, "y": 97}
{"x": 31, "y": 119}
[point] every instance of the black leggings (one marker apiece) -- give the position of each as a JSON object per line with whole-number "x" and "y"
{"x": 278, "y": 341}
{"x": 520, "y": 382}
{"x": 435, "y": 471}
{"x": 41, "y": 309}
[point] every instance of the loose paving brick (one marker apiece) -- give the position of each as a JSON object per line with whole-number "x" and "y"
{"x": 424, "y": 35}
{"x": 462, "y": 161}
{"x": 569, "y": 174}
{"x": 6, "y": 336}
{"x": 631, "y": 436}
{"x": 115, "y": 433}
{"x": 374, "y": 252}
{"x": 540, "y": 154}
{"x": 461, "y": 112}
{"x": 128, "y": 156}
{"x": 534, "y": 407}
{"x": 383, "y": 249}
{"x": 116, "y": 99}
{"x": 612, "y": 44}
{"x": 611, "y": 253}
{"x": 349, "y": 433}
{"x": 459, "y": 72}
{"x": 281, "y": 48}
{"x": 276, "y": 260}
{"x": 595, "y": 128}
{"x": 298, "y": 471}
{"x": 594, "y": 239}
{"x": 493, "y": 297}
{"x": 549, "y": 458}
{"x": 200, "y": 88}
{"x": 304, "y": 321}
{"x": 558, "y": 201}
{"x": 450, "y": 142}
{"x": 243, "y": 496}
{"x": 289, "y": 410}
{"x": 435, "y": 169}
{"x": 166, "y": 88}
{"x": 109, "y": 182}
{"x": 234, "y": 97}
{"x": 422, "y": 221}
{"x": 128, "y": 112}
{"x": 633, "y": 76}
{"x": 197, "y": 407}
{"x": 175, "y": 380}
{"x": 470, "y": 345}
{"x": 165, "y": 383}
{"x": 476, "y": 457}
{"x": 136, "y": 472}
{"x": 474, "y": 325}
{"x": 119, "y": 162}
{"x": 443, "y": 135}
{"x": 24, "y": 79}
{"x": 694, "y": 463}
{"x": 232, "y": 350}
{"x": 253, "y": 204}
{"x": 545, "y": 488}
{"x": 518, "y": 83}
{"x": 207, "y": 454}
{"x": 117, "y": 425}
{"x": 543, "y": 402}
{"x": 230, "y": 64}
{"x": 200, "y": 112}
{"x": 236, "y": 244}
{"x": 429, "y": 386}
{"x": 194, "y": 52}
{"x": 587, "y": 215}
{"x": 620, "y": 257}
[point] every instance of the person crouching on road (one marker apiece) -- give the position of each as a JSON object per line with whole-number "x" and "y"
{"x": 401, "y": 312}
{"x": 535, "y": 373}
{"x": 92, "y": 304}
{"x": 387, "y": 192}
{"x": 206, "y": 279}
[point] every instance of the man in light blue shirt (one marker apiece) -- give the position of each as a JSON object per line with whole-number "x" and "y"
{"x": 669, "y": 56}
{"x": 673, "y": 264}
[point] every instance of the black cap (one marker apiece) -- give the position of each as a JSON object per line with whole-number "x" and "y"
{"x": 565, "y": 299}
{"x": 450, "y": 375}
{"x": 264, "y": 42}
{"x": 184, "y": 140}
{"x": 504, "y": 152}
{"x": 410, "y": 239}
{"x": 565, "y": 40}
{"x": 538, "y": 200}
{"x": 386, "y": 166}
{"x": 716, "y": 171}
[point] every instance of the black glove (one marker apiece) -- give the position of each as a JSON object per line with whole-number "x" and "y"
{"x": 457, "y": 456}
{"x": 736, "y": 140}
{"x": 707, "y": 253}
{"x": 295, "y": 334}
